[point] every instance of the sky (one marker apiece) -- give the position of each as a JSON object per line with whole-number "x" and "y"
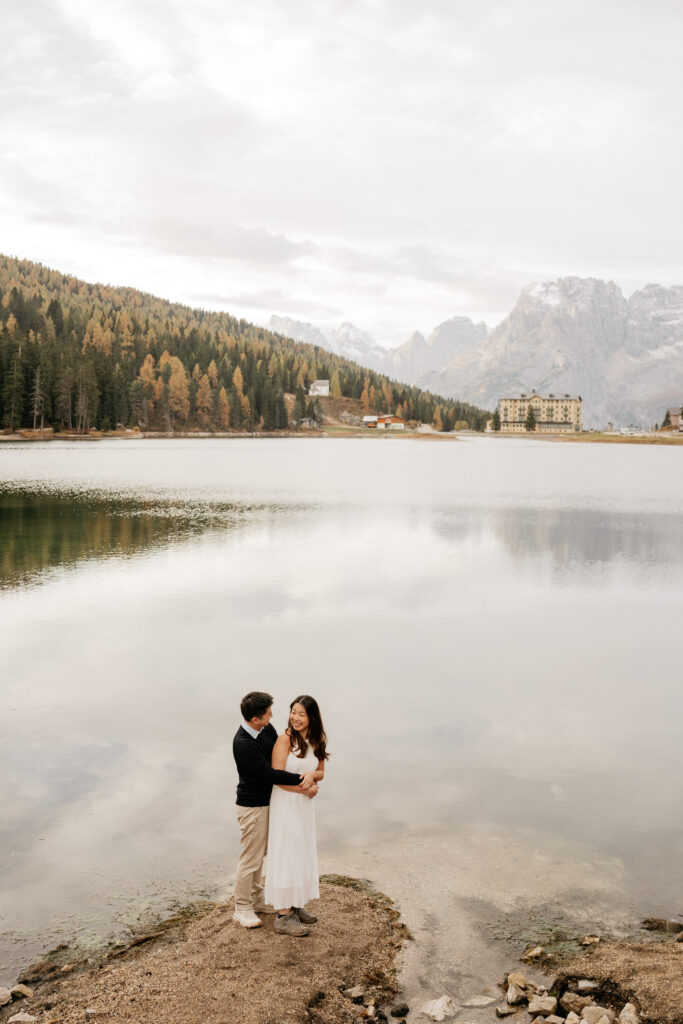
{"x": 388, "y": 162}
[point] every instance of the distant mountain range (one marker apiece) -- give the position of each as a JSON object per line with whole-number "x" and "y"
{"x": 574, "y": 335}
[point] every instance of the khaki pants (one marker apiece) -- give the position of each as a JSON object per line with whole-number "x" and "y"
{"x": 253, "y": 823}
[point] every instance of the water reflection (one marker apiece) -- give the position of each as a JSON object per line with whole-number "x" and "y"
{"x": 585, "y": 537}
{"x": 45, "y": 530}
{"x": 498, "y": 663}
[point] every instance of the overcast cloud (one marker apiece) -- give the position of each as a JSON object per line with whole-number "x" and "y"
{"x": 390, "y": 162}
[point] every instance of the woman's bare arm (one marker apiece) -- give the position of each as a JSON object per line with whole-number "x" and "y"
{"x": 279, "y": 760}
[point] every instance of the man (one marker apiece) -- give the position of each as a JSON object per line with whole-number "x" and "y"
{"x": 252, "y": 748}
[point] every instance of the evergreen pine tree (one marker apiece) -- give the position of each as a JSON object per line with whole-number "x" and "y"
{"x": 299, "y": 405}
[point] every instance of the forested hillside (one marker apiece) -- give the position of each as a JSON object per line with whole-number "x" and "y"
{"x": 76, "y": 356}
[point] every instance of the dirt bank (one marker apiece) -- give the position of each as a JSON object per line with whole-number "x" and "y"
{"x": 649, "y": 974}
{"x": 207, "y": 969}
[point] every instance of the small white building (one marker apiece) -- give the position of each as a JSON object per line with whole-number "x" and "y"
{"x": 321, "y": 388}
{"x": 370, "y": 421}
{"x": 390, "y": 423}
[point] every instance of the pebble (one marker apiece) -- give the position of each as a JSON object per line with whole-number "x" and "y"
{"x": 629, "y": 1015}
{"x": 505, "y": 1010}
{"x": 22, "y": 1018}
{"x": 475, "y": 1001}
{"x": 515, "y": 995}
{"x": 5, "y": 996}
{"x": 515, "y": 978}
{"x": 534, "y": 953}
{"x": 400, "y": 1010}
{"x": 572, "y": 1018}
{"x": 542, "y": 1005}
{"x": 439, "y": 1009}
{"x": 68, "y": 968}
{"x": 355, "y": 994}
{"x": 21, "y": 992}
{"x": 594, "y": 1014}
{"x": 590, "y": 940}
{"x": 585, "y": 985}
{"x": 572, "y": 1001}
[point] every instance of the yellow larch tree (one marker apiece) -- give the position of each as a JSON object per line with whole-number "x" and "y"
{"x": 204, "y": 400}
{"x": 223, "y": 409}
{"x": 178, "y": 390}
{"x": 365, "y": 397}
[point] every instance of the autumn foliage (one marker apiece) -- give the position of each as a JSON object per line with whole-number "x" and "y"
{"x": 76, "y": 356}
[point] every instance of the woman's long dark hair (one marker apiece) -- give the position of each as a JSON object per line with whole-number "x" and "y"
{"x": 316, "y": 733}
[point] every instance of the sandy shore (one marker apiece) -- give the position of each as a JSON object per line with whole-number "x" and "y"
{"x": 199, "y": 967}
{"x": 205, "y": 968}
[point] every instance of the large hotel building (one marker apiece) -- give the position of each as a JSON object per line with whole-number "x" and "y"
{"x": 555, "y": 414}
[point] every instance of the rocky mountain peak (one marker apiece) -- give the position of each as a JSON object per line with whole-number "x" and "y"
{"x": 299, "y": 330}
{"x": 570, "y": 290}
{"x": 572, "y": 335}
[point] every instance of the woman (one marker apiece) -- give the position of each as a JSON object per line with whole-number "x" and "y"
{"x": 292, "y": 870}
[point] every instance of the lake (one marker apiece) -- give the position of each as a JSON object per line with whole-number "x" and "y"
{"x": 491, "y": 627}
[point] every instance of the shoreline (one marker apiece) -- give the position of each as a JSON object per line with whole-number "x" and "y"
{"x": 194, "y": 966}
{"x": 334, "y": 432}
{"x": 190, "y": 967}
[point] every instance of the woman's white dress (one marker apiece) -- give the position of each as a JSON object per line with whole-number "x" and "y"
{"x": 292, "y": 865}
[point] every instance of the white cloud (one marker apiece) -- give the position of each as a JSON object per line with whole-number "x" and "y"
{"x": 397, "y": 163}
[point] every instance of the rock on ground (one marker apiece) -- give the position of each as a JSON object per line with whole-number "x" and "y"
{"x": 21, "y": 992}
{"x": 439, "y": 1009}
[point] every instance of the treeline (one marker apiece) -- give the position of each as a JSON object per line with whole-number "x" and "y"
{"x": 75, "y": 356}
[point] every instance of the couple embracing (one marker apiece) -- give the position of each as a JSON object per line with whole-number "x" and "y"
{"x": 278, "y": 781}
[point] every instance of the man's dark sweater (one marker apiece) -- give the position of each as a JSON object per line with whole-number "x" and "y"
{"x": 257, "y": 777}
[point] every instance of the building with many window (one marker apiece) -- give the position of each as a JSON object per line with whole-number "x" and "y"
{"x": 554, "y": 414}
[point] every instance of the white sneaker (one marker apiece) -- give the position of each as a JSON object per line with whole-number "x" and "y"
{"x": 247, "y": 918}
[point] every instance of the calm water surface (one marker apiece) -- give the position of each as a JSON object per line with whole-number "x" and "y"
{"x": 492, "y": 629}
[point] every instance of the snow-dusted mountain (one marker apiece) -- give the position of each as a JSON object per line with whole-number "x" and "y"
{"x": 580, "y": 336}
{"x": 575, "y": 335}
{"x": 300, "y": 331}
{"x": 346, "y": 340}
{"x": 418, "y": 355}
{"x": 406, "y": 363}
{"x": 353, "y": 343}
